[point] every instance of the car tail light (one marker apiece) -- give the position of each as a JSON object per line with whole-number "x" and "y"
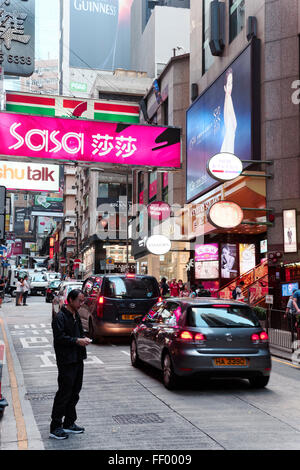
{"x": 221, "y": 306}
{"x": 192, "y": 337}
{"x": 200, "y": 337}
{"x": 261, "y": 337}
{"x": 100, "y": 305}
{"x": 264, "y": 337}
{"x": 130, "y": 275}
{"x": 186, "y": 336}
{"x": 255, "y": 338}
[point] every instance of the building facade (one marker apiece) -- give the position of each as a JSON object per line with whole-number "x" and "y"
{"x": 276, "y": 26}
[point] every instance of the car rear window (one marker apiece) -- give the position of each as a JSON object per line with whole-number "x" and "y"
{"x": 222, "y": 317}
{"x": 131, "y": 288}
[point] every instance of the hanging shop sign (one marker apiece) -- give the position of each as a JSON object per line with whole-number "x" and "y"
{"x": 88, "y": 141}
{"x": 29, "y": 176}
{"x": 158, "y": 244}
{"x": 224, "y": 166}
{"x": 225, "y": 214}
{"x": 17, "y": 41}
{"x": 159, "y": 210}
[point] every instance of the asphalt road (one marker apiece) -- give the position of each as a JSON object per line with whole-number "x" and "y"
{"x": 129, "y": 409}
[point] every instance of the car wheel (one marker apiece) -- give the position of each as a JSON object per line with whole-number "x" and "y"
{"x": 259, "y": 381}
{"x": 135, "y": 360}
{"x": 170, "y": 379}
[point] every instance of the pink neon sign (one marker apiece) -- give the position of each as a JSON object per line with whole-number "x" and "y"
{"x": 89, "y": 141}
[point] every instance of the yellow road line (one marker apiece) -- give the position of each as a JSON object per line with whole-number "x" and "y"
{"x": 20, "y": 423}
{"x": 285, "y": 362}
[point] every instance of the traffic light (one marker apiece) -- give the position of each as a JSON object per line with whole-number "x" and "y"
{"x": 271, "y": 216}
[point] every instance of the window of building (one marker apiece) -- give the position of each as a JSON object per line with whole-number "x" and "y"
{"x": 152, "y": 186}
{"x": 166, "y": 112}
{"x": 237, "y": 18}
{"x": 207, "y": 57}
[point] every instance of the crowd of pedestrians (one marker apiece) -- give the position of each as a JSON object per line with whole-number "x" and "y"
{"x": 175, "y": 288}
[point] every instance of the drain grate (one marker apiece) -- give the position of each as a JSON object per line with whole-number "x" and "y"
{"x": 146, "y": 418}
{"x": 39, "y": 396}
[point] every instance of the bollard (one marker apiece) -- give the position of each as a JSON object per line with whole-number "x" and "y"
{"x": 3, "y": 402}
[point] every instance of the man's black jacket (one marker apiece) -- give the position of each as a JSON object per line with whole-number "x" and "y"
{"x": 66, "y": 330}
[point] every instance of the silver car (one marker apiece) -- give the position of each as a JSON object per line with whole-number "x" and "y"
{"x": 212, "y": 337}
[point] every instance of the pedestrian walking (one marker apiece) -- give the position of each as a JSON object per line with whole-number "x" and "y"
{"x": 193, "y": 292}
{"x": 26, "y": 288}
{"x": 185, "y": 292}
{"x": 291, "y": 312}
{"x": 2, "y": 290}
{"x": 19, "y": 291}
{"x": 174, "y": 288}
{"x": 164, "y": 288}
{"x": 237, "y": 293}
{"x": 70, "y": 350}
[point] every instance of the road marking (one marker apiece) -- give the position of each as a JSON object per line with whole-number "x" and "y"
{"x": 20, "y": 423}
{"x": 285, "y": 362}
{"x": 126, "y": 352}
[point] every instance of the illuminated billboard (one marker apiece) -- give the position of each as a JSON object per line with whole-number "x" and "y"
{"x": 224, "y": 118}
{"x": 29, "y": 176}
{"x": 247, "y": 257}
{"x": 100, "y": 34}
{"x": 89, "y": 141}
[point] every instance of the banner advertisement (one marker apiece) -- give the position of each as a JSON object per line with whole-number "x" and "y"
{"x": 247, "y": 257}
{"x": 207, "y": 270}
{"x": 207, "y": 252}
{"x": 22, "y": 223}
{"x": 89, "y": 141}
{"x": 48, "y": 206}
{"x": 29, "y": 176}
{"x": 229, "y": 261}
{"x": 103, "y": 23}
{"x": 290, "y": 231}
{"x": 220, "y": 120}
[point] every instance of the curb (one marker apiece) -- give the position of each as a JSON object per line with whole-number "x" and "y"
{"x": 8, "y": 424}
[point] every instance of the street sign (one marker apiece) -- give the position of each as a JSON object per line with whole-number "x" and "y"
{"x": 110, "y": 261}
{"x": 17, "y": 30}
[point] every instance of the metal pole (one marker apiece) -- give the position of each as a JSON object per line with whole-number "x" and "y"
{"x": 127, "y": 265}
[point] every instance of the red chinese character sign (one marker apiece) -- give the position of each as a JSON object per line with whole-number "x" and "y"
{"x": 89, "y": 141}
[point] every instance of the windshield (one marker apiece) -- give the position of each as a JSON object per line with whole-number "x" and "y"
{"x": 39, "y": 278}
{"x": 222, "y": 317}
{"x": 54, "y": 284}
{"x": 131, "y": 288}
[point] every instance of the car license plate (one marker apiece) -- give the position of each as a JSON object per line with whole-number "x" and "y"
{"x": 129, "y": 317}
{"x": 231, "y": 361}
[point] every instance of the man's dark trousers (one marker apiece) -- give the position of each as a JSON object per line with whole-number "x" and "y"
{"x": 69, "y": 385}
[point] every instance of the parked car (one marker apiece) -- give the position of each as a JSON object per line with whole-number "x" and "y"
{"x": 60, "y": 298}
{"x": 112, "y": 302}
{"x": 38, "y": 283}
{"x": 52, "y": 290}
{"x": 183, "y": 337}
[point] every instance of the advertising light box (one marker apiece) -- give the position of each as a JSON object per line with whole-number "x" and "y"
{"x": 207, "y": 252}
{"x": 29, "y": 176}
{"x": 89, "y": 141}
{"x": 223, "y": 120}
{"x": 206, "y": 269}
{"x": 247, "y": 257}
